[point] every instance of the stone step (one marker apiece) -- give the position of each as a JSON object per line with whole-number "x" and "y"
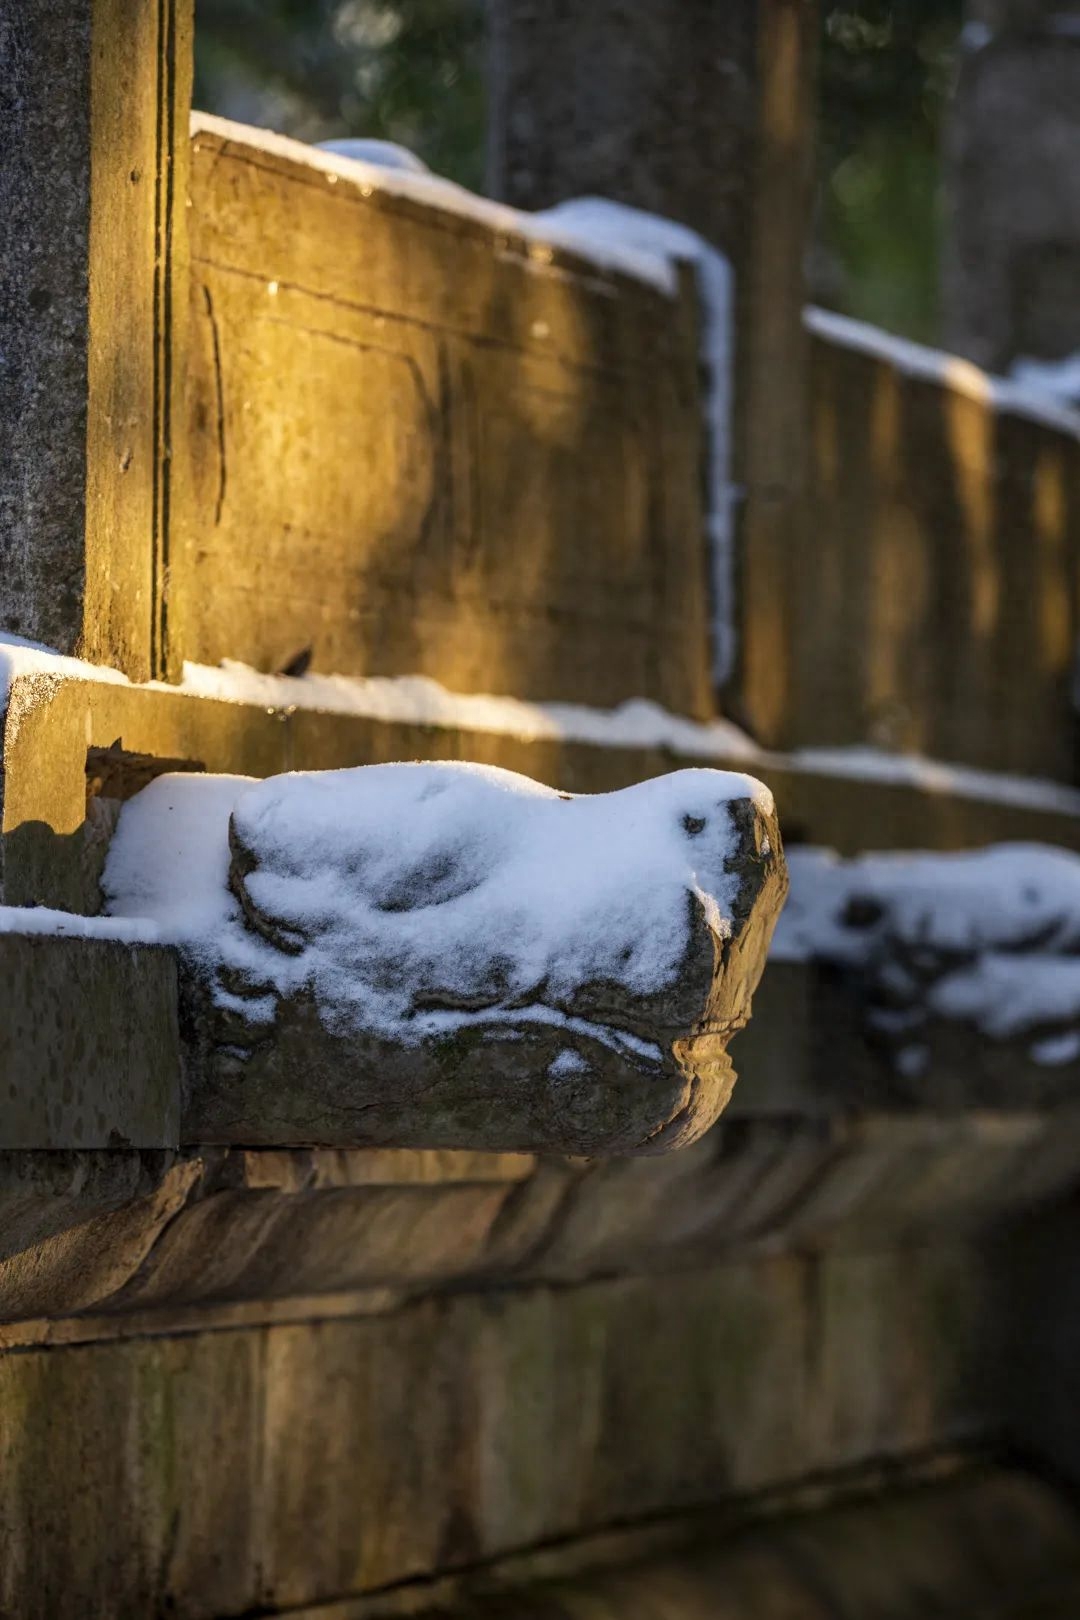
{"x": 992, "y": 1542}
{"x": 225, "y": 1237}
{"x": 356, "y": 1454}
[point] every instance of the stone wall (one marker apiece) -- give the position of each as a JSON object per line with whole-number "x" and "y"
{"x": 982, "y": 1541}
{"x": 242, "y": 1468}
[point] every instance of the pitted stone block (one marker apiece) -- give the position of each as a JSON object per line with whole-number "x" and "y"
{"x": 89, "y": 1051}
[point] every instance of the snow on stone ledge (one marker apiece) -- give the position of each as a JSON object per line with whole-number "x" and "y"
{"x": 383, "y": 154}
{"x": 40, "y": 669}
{"x": 989, "y": 937}
{"x": 1056, "y": 380}
{"x": 639, "y": 723}
{"x": 415, "y": 184}
{"x": 636, "y": 724}
{"x": 1013, "y": 396}
{"x": 69, "y": 925}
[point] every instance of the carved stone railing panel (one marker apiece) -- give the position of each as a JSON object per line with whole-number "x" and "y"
{"x": 417, "y": 439}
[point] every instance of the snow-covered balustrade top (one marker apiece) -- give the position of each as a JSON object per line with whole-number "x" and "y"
{"x": 448, "y": 955}
{"x": 942, "y": 548}
{"x": 989, "y": 939}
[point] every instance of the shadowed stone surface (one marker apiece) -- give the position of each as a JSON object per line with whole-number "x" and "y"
{"x": 703, "y": 113}
{"x": 229, "y": 1472}
{"x": 991, "y": 1541}
{"x": 230, "y": 1236}
{"x": 944, "y": 533}
{"x": 89, "y": 1052}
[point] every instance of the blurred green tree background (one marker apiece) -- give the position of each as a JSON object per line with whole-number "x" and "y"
{"x": 409, "y": 71}
{"x": 886, "y": 73}
{"x": 412, "y": 71}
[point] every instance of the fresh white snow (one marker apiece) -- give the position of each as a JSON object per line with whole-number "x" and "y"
{"x": 1058, "y": 379}
{"x": 385, "y": 881}
{"x": 858, "y": 763}
{"x": 638, "y": 723}
{"x": 419, "y": 700}
{"x": 567, "y": 1064}
{"x": 383, "y": 154}
{"x": 990, "y": 937}
{"x": 1010, "y": 396}
{"x": 43, "y": 920}
{"x": 1007, "y": 896}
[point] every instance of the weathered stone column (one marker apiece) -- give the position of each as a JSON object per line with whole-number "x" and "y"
{"x": 703, "y": 112}
{"x": 93, "y": 145}
{"x": 1012, "y": 271}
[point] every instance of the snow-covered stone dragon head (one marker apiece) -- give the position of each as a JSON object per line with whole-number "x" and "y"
{"x": 450, "y": 955}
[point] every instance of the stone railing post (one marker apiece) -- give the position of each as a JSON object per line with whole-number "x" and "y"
{"x": 93, "y": 153}
{"x": 1012, "y": 261}
{"x": 703, "y": 113}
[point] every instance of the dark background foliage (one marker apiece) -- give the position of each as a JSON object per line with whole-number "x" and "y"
{"x": 886, "y": 70}
{"x": 412, "y": 71}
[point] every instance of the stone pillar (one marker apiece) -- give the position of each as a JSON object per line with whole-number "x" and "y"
{"x": 1012, "y": 268}
{"x": 93, "y": 147}
{"x": 702, "y": 112}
